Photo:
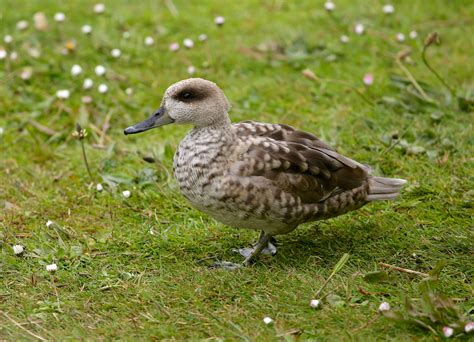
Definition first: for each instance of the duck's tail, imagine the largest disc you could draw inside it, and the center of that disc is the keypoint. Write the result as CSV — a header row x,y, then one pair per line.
x,y
381,188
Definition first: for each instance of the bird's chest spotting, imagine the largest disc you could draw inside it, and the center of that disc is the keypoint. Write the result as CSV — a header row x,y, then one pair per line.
x,y
199,162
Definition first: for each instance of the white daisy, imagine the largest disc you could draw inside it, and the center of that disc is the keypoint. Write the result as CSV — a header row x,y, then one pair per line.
x,y
388,9
126,193
448,331
149,41
329,6
22,25
100,70
202,37
88,83
188,43
219,20
344,39
99,187
18,249
99,8
314,303
59,17
116,53
86,29
384,306
359,28
191,70
52,268
267,320
26,73
8,39
76,70
61,94
103,88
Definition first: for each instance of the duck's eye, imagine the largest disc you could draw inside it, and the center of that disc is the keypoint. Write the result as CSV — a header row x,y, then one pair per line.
x,y
186,95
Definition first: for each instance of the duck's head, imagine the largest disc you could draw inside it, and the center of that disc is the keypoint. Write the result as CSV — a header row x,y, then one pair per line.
x,y
193,101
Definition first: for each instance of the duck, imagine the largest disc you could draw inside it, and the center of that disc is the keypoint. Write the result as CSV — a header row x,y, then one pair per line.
x,y
267,177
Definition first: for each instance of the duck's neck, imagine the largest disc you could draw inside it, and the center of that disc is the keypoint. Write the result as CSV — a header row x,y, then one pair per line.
x,y
220,129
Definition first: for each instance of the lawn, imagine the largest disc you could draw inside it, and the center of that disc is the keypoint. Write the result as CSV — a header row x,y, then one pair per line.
x,y
137,267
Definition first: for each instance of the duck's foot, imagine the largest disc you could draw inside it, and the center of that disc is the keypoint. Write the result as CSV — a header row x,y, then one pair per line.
x,y
247,251
226,265
263,245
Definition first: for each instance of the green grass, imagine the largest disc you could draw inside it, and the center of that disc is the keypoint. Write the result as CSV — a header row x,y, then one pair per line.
x,y
117,280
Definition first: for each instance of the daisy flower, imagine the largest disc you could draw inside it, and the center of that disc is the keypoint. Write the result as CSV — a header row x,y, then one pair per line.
x,y
18,249
149,41
8,39
388,9
100,70
52,268
40,21
116,53
60,94
59,17
22,25
103,88
400,37
26,73
191,70
359,28
174,47
88,83
86,29
329,6
76,70
384,306
267,320
99,8
219,20
188,43
448,331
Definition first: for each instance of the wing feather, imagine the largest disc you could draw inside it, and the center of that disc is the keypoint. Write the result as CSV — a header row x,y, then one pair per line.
x,y
295,161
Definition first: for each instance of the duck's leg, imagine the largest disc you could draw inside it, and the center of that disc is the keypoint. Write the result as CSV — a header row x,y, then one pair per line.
x,y
269,249
263,245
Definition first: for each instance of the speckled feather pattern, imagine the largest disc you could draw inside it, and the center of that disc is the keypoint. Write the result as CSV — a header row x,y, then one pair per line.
x,y
266,177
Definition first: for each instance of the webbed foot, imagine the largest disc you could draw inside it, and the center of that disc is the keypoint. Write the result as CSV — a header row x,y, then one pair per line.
x,y
263,245
226,265
247,251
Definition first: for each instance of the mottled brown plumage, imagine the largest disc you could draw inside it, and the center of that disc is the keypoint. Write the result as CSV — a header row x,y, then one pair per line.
x,y
261,176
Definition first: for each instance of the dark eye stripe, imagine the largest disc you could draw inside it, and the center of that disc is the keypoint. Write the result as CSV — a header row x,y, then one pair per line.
x,y
188,95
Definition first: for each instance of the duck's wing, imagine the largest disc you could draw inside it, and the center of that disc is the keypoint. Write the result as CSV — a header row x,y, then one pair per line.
x,y
279,132
295,161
